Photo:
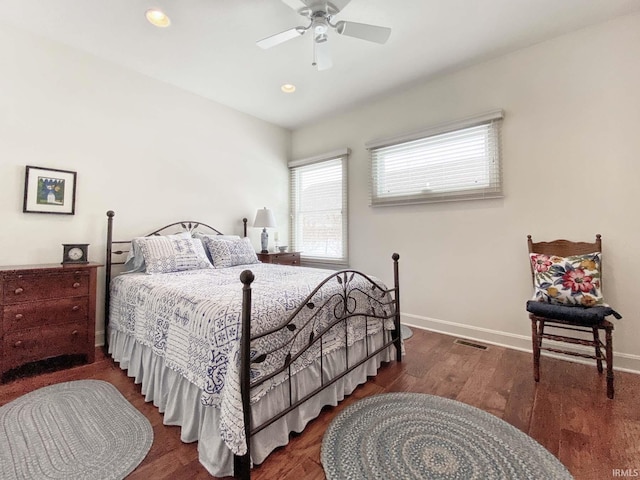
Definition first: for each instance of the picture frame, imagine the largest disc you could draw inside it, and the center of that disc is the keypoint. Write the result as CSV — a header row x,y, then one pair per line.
x,y
49,190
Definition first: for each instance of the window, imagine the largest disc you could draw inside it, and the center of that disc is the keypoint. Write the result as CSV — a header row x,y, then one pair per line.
x,y
318,189
456,161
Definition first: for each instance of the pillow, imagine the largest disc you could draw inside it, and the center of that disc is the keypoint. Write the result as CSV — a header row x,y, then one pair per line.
x,y
135,261
213,236
573,280
202,236
229,253
171,253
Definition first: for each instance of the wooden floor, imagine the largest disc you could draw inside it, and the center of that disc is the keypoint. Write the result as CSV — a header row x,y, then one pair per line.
x,y
567,412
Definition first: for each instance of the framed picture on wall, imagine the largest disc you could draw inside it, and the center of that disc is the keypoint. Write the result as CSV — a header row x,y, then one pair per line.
x,y
49,190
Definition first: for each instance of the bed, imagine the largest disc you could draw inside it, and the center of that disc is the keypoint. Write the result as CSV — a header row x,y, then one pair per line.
x,y
236,352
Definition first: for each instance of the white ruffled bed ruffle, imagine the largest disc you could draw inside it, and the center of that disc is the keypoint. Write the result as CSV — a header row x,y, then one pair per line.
x,y
179,400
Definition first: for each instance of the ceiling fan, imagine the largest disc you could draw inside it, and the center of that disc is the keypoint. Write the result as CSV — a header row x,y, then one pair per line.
x,y
320,15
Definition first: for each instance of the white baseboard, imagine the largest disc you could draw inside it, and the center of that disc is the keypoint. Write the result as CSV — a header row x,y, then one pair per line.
x,y
623,362
100,338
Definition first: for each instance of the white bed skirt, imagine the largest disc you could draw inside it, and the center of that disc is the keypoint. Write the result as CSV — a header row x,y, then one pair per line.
x,y
179,400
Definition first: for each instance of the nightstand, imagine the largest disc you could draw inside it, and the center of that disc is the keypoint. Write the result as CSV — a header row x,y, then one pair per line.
x,y
286,258
46,311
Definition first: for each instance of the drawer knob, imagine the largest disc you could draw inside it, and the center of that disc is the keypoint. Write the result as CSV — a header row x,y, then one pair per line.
x,y
19,316
18,344
76,285
78,272
75,332
75,308
18,291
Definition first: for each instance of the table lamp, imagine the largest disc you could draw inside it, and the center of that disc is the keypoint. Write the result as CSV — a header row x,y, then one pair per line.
x,y
265,219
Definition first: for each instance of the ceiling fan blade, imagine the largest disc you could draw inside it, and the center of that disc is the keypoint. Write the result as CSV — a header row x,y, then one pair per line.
x,y
338,5
323,55
281,37
295,4
364,31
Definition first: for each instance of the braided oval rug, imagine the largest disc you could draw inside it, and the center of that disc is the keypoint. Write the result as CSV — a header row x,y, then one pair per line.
x,y
406,332
74,430
417,436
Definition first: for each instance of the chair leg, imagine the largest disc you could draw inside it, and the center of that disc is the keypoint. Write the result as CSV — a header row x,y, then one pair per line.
x,y
536,349
596,341
609,348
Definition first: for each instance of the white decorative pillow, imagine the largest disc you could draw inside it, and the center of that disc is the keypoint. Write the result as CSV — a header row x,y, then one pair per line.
x,y
229,253
171,253
203,236
573,280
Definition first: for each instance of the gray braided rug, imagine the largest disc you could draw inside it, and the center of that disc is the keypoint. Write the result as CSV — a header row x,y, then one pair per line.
x,y
74,430
406,332
396,436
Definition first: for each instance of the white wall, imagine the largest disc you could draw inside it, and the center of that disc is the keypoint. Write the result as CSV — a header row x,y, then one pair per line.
x,y
151,152
570,149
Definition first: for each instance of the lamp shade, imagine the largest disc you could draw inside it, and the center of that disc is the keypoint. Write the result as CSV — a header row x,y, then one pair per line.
x,y
264,218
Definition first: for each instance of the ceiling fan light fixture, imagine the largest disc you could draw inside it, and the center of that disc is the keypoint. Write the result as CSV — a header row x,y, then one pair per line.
x,y
288,88
157,18
320,28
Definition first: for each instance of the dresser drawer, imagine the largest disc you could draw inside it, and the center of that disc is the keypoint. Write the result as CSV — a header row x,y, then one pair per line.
x,y
45,342
20,316
286,258
28,287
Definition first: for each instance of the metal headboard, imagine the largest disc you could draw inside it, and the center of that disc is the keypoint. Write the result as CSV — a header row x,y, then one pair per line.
x,y
190,226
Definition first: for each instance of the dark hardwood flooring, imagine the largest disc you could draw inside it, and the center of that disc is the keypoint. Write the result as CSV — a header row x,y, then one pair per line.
x,y
568,411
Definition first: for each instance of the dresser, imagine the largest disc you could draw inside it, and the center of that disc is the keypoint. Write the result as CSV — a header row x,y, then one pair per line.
x,y
286,258
46,311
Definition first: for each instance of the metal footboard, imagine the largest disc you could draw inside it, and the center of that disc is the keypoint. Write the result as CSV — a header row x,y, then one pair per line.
x,y
359,299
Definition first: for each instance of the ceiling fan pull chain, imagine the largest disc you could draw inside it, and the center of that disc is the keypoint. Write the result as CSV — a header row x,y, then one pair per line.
x,y
314,63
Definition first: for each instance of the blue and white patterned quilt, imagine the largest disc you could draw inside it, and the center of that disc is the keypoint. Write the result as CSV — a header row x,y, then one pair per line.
x,y
192,320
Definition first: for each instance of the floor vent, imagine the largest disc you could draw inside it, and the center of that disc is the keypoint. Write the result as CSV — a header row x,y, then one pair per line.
x,y
467,343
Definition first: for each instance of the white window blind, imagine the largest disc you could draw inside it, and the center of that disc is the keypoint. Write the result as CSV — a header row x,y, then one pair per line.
x,y
456,161
318,202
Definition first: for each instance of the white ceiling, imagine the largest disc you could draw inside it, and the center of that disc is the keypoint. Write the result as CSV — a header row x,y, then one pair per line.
x,y
210,47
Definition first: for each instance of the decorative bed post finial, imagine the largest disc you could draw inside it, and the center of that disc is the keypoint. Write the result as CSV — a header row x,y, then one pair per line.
x,y
247,277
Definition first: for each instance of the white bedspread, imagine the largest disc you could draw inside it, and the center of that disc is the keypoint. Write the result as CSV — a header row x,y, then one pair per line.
x,y
192,320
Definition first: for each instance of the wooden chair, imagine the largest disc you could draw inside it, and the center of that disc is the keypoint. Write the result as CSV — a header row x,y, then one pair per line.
x,y
569,318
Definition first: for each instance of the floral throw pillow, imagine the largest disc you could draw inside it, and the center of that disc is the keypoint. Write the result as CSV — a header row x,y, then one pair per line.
x,y
573,280
229,253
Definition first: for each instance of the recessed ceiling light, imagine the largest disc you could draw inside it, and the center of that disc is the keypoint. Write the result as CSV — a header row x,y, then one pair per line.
x,y
157,17
288,88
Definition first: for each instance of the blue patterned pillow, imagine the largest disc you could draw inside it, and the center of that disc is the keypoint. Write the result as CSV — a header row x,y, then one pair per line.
x,y
203,236
172,253
229,253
